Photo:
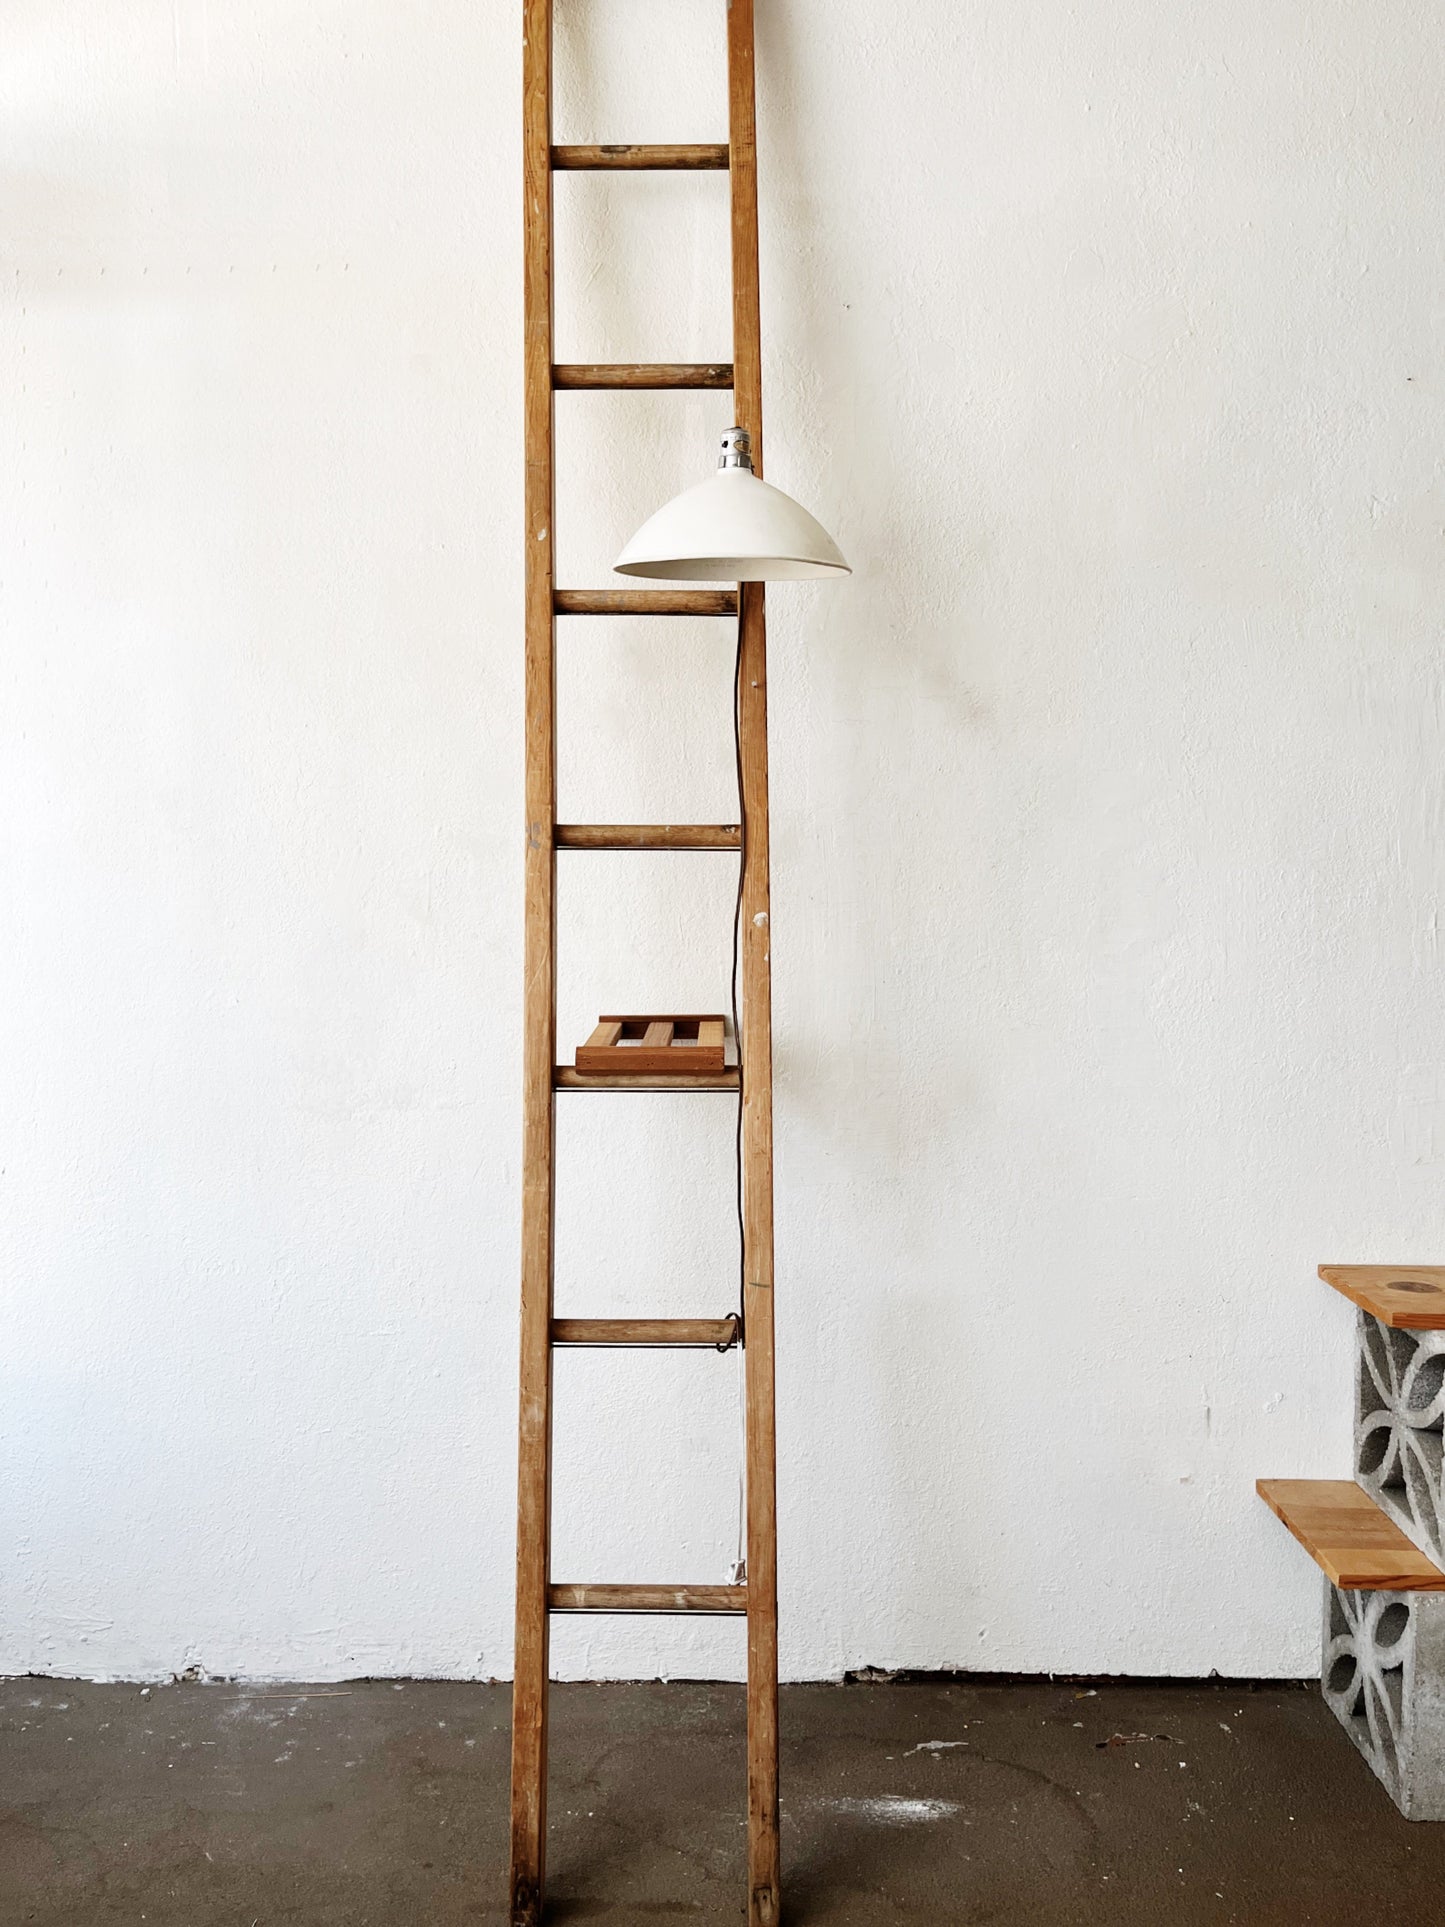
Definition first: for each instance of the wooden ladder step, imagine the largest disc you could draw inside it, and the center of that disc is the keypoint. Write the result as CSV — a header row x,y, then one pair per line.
x,y
629,155
642,374
647,1599
645,602
1409,1297
567,1077
645,1331
647,836
1348,1537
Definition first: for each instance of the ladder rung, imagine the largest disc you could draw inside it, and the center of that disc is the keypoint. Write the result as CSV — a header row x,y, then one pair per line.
x,y
645,1331
647,836
645,602
632,154
642,374
648,1599
567,1078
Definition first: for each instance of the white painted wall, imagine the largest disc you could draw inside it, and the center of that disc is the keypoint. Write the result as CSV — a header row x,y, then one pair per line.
x,y
1108,820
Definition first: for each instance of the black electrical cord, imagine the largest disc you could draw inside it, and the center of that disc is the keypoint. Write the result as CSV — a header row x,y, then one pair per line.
x,y
737,946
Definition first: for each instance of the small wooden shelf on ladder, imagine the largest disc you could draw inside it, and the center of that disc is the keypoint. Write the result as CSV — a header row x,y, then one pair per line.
x,y
537,1595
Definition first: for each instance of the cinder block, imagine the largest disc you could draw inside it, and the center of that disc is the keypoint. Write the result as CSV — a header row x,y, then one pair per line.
x,y
1384,1680
1400,1428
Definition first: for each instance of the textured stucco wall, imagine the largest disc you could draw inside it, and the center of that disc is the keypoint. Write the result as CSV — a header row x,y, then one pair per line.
x,y
1108,807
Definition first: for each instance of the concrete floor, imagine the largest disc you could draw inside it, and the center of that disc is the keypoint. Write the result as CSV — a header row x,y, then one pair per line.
x,y
928,1801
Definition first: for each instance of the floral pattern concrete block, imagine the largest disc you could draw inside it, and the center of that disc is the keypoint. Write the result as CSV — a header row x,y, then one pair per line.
x,y
1384,1680
1400,1428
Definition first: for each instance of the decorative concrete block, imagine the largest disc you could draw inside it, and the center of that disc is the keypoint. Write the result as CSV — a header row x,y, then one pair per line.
x,y
1384,1680
1400,1428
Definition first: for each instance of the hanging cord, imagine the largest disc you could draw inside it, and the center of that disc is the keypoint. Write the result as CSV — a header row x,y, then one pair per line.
x,y
737,950
740,1563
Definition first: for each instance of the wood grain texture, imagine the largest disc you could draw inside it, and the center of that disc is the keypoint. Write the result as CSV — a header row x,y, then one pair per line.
x,y
648,1599
743,209
755,1044
685,1017
654,1046
645,602
1409,1297
647,836
628,155
1352,1542
534,1441
643,374
569,1078
676,1332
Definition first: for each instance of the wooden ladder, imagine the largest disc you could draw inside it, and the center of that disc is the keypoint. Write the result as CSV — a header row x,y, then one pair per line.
x,y
537,1596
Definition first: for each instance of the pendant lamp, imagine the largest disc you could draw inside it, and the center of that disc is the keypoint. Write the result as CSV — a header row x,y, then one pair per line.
x,y
733,528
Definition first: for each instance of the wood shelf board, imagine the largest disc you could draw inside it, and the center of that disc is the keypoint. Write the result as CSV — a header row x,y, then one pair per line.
x,y
568,1078
1352,1542
1409,1297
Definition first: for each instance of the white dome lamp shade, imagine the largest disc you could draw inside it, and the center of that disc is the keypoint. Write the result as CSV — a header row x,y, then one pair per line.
x,y
732,528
